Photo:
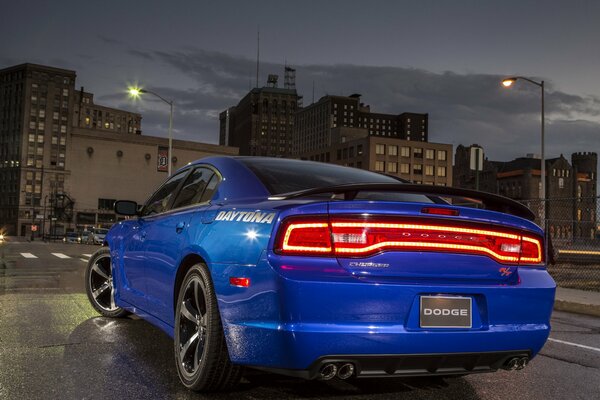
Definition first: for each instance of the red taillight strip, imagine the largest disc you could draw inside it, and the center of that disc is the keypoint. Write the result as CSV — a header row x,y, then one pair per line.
x,y
533,260
428,245
323,238
287,247
423,227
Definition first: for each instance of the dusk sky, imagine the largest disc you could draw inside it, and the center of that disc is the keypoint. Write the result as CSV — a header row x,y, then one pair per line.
x,y
445,58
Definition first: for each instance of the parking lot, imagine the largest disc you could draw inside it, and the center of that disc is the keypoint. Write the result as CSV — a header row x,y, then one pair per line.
x,y
53,345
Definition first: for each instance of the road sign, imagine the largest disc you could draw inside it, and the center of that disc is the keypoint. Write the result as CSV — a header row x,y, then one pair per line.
x,y
33,228
476,158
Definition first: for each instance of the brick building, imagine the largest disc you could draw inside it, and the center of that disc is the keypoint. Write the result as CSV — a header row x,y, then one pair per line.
x,y
571,191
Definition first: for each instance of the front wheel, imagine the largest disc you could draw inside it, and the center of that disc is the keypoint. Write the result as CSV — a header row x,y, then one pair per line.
x,y
201,354
99,284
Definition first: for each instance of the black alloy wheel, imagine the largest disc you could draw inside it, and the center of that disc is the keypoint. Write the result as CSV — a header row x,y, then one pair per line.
x,y
200,348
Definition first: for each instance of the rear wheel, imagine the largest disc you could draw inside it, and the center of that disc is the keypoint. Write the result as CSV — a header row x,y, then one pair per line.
x,y
99,284
201,354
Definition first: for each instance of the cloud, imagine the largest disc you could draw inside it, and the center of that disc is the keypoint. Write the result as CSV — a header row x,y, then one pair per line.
x,y
110,40
463,108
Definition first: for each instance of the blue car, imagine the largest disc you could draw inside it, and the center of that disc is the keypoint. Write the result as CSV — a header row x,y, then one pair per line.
x,y
321,271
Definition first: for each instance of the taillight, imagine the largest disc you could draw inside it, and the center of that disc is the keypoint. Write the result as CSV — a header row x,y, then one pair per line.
x,y
305,236
355,237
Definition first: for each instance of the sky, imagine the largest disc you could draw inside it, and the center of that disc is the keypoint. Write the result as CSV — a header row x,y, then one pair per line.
x,y
444,58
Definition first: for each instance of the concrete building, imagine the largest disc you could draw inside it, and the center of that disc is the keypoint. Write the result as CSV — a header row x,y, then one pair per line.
x,y
314,123
571,191
262,123
44,173
96,159
419,162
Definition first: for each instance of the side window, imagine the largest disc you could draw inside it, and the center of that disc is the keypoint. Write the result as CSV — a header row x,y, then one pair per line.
x,y
195,186
160,200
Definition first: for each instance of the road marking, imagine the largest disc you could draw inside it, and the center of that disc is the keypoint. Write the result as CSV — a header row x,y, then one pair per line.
x,y
86,255
574,344
28,255
60,255
84,260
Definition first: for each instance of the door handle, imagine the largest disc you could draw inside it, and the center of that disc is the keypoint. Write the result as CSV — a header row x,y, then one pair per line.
x,y
179,227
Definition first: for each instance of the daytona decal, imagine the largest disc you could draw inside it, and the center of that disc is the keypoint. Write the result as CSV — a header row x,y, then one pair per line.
x,y
246,216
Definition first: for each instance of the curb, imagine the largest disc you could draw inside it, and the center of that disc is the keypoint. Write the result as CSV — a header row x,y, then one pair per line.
x,y
578,308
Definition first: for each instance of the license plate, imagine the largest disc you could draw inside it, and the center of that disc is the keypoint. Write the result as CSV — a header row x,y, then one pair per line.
x,y
446,312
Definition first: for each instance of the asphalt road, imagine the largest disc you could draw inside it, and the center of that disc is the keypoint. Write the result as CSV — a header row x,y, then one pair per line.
x,y
53,345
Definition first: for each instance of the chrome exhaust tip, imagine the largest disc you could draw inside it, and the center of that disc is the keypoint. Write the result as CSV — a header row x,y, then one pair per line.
x,y
345,371
328,371
516,363
522,362
512,364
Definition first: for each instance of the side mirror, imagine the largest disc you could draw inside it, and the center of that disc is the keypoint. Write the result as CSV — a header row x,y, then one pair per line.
x,y
126,207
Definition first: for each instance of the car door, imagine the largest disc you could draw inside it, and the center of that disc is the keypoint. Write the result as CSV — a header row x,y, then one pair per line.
x,y
134,285
169,235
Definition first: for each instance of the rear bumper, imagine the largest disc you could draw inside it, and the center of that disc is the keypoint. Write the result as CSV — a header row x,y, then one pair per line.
x,y
384,365
293,326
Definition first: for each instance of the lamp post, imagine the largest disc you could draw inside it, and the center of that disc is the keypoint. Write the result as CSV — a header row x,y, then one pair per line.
x,y
136,92
508,82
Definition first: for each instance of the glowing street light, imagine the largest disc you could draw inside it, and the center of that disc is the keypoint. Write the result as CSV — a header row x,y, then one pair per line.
x,y
136,93
508,82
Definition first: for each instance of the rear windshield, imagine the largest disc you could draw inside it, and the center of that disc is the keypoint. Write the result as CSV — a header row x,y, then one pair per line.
x,y
285,175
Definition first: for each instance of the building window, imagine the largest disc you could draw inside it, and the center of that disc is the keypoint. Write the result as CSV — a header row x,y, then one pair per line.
x,y
442,155
359,150
392,150
405,151
429,170
430,154
417,169
441,171
393,167
379,166
404,168
561,183
106,204
418,152
380,149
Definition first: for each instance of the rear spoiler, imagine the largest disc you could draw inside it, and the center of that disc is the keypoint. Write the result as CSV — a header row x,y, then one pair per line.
x,y
350,191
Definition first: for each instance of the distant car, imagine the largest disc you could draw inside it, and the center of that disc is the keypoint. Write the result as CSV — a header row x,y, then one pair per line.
x,y
72,237
96,236
321,271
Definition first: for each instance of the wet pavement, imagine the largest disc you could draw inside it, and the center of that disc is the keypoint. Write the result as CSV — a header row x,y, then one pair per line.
x,y
53,345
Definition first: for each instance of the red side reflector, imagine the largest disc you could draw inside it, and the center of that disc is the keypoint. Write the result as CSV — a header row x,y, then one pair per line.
x,y
240,282
439,211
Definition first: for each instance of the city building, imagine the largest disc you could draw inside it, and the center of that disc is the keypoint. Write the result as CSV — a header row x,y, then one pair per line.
x,y
314,123
56,159
262,123
419,162
571,192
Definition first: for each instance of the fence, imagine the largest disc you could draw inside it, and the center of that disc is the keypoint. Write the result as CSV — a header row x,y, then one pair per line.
x,y
574,235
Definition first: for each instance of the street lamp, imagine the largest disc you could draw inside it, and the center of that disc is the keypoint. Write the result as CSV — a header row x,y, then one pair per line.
x,y
508,82
136,93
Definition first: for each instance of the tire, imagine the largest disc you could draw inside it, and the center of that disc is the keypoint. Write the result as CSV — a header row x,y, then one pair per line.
x,y
200,350
99,284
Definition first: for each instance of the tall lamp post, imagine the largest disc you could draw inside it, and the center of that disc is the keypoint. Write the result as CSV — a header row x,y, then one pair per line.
x,y
136,93
508,82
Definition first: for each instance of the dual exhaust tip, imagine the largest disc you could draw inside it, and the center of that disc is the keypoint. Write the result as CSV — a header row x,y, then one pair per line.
x,y
342,371
516,363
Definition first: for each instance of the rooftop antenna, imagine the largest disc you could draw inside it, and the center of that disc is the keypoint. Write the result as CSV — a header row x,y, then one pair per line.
x,y
313,92
257,52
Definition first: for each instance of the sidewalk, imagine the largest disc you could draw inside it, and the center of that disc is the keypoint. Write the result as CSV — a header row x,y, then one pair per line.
x,y
577,301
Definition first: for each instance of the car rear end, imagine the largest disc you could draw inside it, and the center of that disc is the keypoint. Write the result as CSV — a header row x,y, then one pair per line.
x,y
377,288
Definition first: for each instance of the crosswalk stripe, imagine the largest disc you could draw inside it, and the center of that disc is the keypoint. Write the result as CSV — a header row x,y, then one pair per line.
x,y
84,260
86,255
60,255
28,255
